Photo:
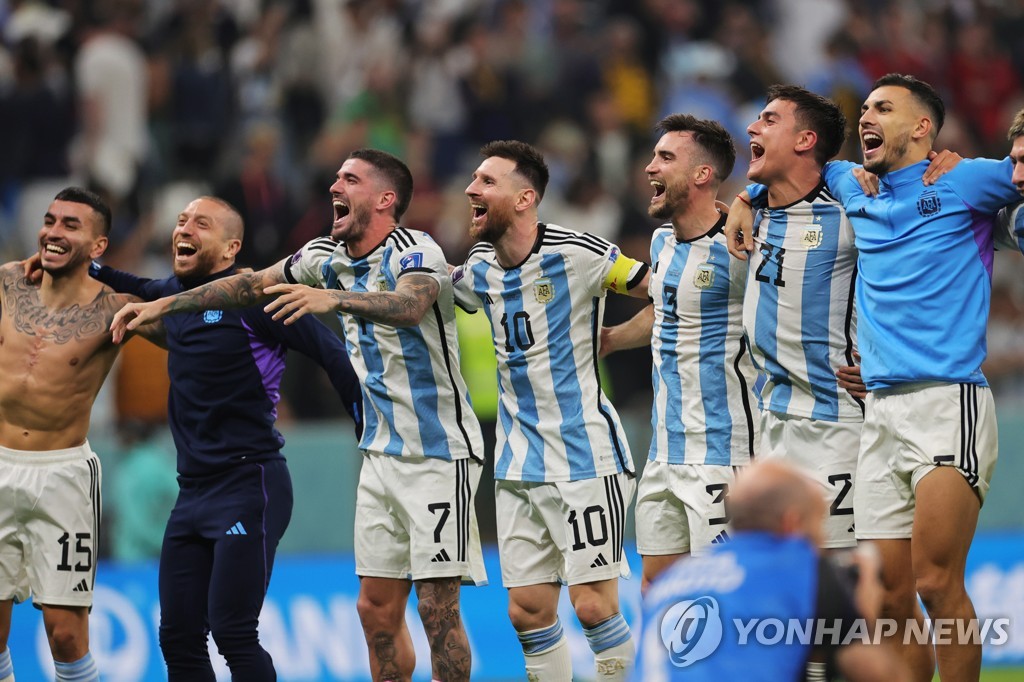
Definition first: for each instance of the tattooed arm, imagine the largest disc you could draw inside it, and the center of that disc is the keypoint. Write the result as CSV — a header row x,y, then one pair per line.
x,y
404,307
154,332
238,291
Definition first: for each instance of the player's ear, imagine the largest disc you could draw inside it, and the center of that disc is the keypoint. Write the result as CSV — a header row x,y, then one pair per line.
x,y
703,174
232,247
806,140
386,200
923,128
526,198
99,245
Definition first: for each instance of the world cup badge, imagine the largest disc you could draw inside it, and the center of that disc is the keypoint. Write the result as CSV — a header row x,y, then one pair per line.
x,y
705,276
544,290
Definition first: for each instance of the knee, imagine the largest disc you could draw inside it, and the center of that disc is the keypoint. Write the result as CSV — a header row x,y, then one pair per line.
x,y
378,613
591,609
937,586
526,616
67,642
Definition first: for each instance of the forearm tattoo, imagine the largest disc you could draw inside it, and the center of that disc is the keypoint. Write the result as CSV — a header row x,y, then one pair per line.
x,y
237,291
449,647
393,308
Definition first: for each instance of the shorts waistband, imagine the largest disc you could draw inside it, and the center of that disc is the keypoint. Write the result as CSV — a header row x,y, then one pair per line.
x,y
916,386
44,457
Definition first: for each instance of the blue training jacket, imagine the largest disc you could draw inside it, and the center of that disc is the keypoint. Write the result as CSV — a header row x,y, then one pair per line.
x,y
225,368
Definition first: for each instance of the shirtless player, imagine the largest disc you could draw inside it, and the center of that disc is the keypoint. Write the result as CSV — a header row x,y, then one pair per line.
x,y
55,352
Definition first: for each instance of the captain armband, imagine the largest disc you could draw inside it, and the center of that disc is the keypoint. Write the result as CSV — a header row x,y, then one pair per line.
x,y
624,274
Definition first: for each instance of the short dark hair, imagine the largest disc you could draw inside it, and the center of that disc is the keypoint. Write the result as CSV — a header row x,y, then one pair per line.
x,y
924,93
80,195
1017,127
816,113
711,136
395,173
528,159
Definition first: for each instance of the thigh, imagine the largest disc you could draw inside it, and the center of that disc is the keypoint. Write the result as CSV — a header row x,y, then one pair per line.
x,y
883,499
381,540
13,577
186,563
62,530
662,526
529,554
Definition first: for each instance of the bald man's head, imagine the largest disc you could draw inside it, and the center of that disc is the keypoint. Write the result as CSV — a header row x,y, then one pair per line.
x,y
229,217
207,238
774,497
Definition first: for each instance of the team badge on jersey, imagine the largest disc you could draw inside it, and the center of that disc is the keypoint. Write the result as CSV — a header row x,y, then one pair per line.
x,y
928,203
544,290
812,237
212,316
705,276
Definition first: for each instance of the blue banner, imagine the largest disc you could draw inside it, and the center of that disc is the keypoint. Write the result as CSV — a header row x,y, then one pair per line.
x,y
310,625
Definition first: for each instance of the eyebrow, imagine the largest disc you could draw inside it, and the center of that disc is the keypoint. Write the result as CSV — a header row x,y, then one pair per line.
x,y
876,103
66,219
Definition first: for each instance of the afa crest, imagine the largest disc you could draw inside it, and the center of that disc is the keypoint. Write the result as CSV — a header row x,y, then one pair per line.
x,y
704,278
544,290
212,316
928,203
812,237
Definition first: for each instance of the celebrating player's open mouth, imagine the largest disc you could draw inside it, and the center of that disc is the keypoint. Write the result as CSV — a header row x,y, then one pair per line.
x,y
341,212
184,251
872,142
479,212
659,191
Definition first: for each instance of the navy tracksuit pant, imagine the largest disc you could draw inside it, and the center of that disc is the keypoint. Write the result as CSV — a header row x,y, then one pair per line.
x,y
215,567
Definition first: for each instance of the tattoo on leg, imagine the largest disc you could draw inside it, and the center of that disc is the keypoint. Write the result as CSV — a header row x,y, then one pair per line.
x,y
386,653
442,621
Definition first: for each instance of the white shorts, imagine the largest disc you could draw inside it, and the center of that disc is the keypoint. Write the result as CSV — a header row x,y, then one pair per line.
x,y
908,432
49,525
567,531
681,507
416,519
827,452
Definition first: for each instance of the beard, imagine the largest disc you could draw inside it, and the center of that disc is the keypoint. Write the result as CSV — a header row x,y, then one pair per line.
x,y
894,151
496,224
675,196
201,266
358,219
75,259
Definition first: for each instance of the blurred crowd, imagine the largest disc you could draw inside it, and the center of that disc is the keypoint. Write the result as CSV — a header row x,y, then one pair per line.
x,y
152,102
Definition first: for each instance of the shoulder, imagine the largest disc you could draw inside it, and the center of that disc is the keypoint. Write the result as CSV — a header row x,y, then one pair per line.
x,y
403,239
481,251
559,238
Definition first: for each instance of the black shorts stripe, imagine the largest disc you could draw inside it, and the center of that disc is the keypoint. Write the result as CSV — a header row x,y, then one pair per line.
x,y
616,514
96,499
460,509
973,478
968,432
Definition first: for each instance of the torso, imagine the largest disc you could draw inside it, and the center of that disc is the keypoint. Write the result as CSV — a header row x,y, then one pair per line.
x,y
52,363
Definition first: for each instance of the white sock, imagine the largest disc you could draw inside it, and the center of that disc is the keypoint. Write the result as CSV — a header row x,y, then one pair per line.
x,y
616,664
551,665
816,672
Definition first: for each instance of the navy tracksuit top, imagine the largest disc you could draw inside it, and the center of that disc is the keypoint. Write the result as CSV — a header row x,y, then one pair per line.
x,y
225,368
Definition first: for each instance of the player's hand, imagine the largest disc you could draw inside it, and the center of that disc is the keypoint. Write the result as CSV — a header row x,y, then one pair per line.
x,y
867,180
941,163
296,300
739,227
850,379
32,268
134,315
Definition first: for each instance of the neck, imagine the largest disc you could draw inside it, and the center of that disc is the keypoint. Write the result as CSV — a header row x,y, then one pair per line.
x,y
516,244
68,289
370,238
696,218
912,156
794,186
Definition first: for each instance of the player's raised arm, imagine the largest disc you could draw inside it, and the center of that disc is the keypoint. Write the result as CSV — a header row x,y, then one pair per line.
x,y
634,333
413,296
237,291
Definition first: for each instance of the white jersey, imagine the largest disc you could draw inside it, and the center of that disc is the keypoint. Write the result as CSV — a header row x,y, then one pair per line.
x,y
702,374
554,421
799,312
1009,228
415,402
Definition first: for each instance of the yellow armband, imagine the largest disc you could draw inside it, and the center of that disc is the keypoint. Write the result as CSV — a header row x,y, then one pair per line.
x,y
624,274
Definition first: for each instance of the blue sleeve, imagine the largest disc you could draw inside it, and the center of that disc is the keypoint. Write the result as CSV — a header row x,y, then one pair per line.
x,y
758,195
315,340
127,283
840,180
983,184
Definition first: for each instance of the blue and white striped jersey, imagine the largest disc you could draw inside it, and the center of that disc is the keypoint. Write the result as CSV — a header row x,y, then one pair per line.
x,y
1009,232
555,423
414,397
799,311
702,373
